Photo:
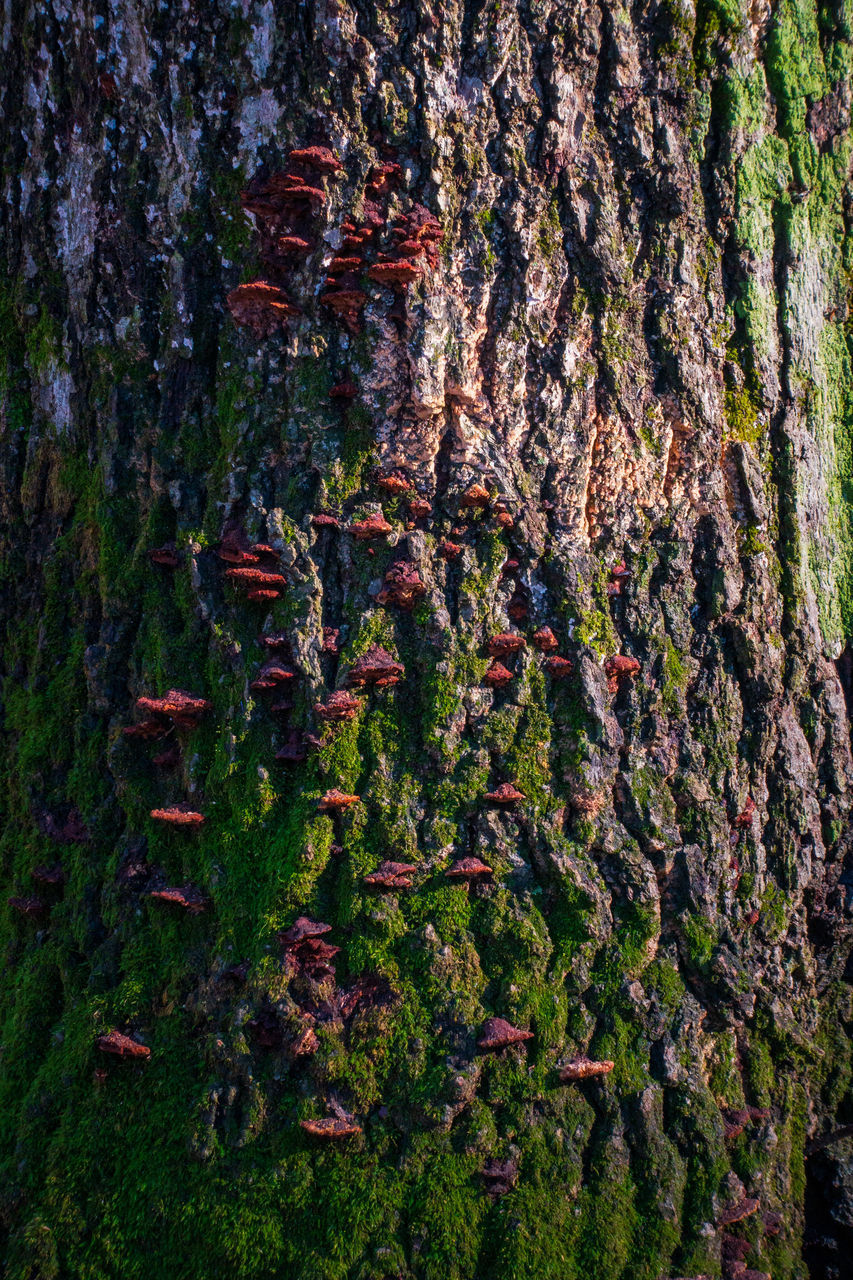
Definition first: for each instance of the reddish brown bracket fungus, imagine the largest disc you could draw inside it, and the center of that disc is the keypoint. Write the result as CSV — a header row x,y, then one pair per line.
x,y
402,586
753,918
293,751
508,568
178,815
166,556
188,897
292,245
275,672
558,668
303,927
343,391
497,676
469,869
265,1030
305,1044
177,705
394,483
334,801
583,1068
374,667
330,640
505,642
506,793
391,875
517,608
54,875
295,190
737,1211
505,520
323,521
340,266
168,759
476,495
341,706
262,593
744,818
231,553
772,1223
28,906
347,305
147,730
618,574
391,273
331,1128
255,578
618,667
449,550
419,508
374,526
734,1122
122,1046
382,177
264,551
544,640
261,307
497,1033
319,158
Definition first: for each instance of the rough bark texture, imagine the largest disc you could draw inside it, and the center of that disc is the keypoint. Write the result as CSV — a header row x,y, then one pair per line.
x,y
634,334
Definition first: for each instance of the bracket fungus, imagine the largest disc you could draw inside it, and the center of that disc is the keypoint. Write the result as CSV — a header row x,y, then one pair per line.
x,y
744,818
255,578
373,526
334,801
292,245
449,550
303,927
178,815
402,271
391,875
394,483
419,508
738,1210
330,640
618,667
476,495
319,158
340,707
261,307
498,1034
147,730
262,593
323,521
505,642
183,709
28,906
343,391
583,1068
166,556
340,266
506,793
403,586
558,668
469,869
188,897
54,875
497,676
544,640
293,751
347,305
122,1046
376,667
332,1127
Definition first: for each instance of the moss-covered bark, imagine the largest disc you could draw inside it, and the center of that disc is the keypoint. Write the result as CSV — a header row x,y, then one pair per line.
x,y
635,334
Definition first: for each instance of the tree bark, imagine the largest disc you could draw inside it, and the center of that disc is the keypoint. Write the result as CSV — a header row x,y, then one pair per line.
x,y
608,394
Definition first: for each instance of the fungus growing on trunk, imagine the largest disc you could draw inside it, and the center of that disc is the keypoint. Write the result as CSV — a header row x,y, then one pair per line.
x,y
618,575
558,668
323,521
449,550
419,508
255,578
382,177
497,676
476,495
391,875
583,1068
497,1034
469,869
261,307
182,708
737,1211
517,608
28,906
373,526
122,1046
334,801
331,1128
188,897
394,483
330,640
391,273
262,593
275,672
341,706
506,793
544,640
303,927
403,586
618,667
293,751
292,245
178,815
734,1122
347,305
339,266
54,875
232,554
147,730
168,759
508,568
166,556
744,818
505,642
319,158
343,391
376,667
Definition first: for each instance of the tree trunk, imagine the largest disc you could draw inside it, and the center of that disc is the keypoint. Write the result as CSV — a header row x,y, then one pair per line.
x,y
572,315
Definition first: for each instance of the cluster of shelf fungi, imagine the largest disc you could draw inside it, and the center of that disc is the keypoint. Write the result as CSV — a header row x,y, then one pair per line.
x,y
393,255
